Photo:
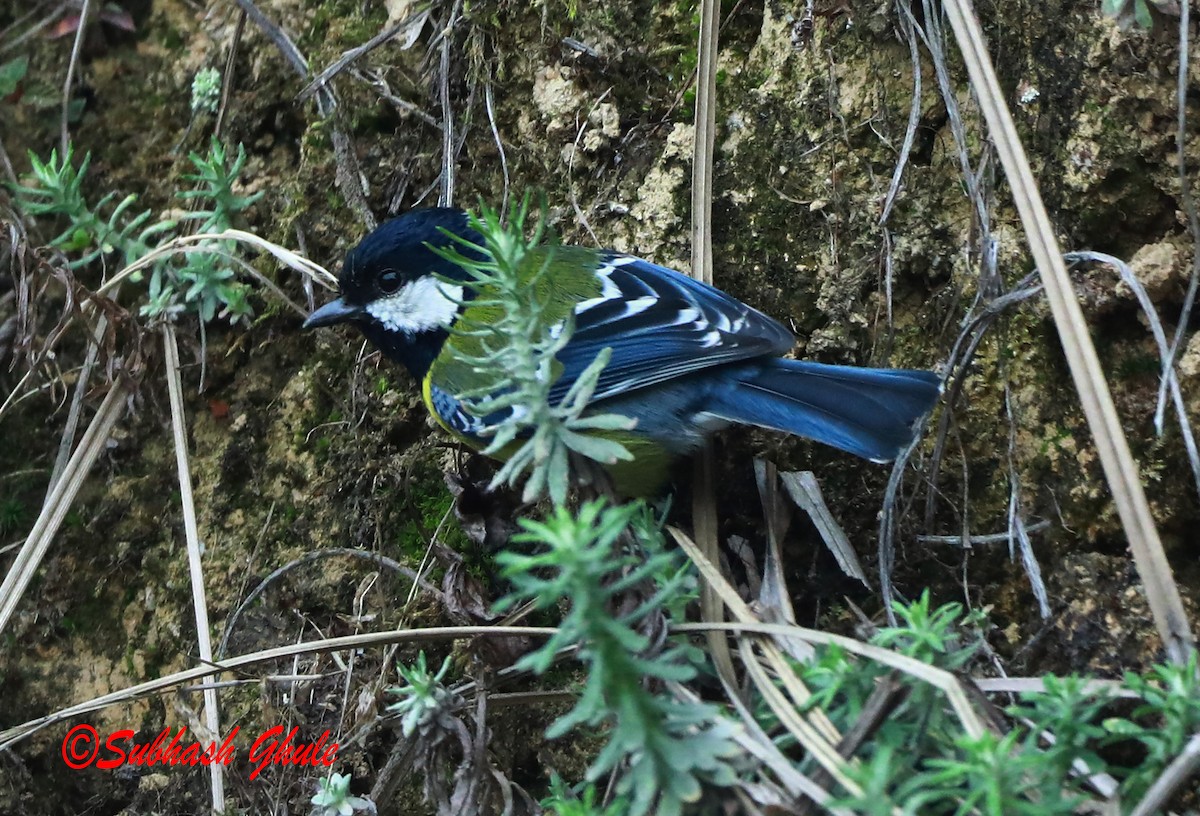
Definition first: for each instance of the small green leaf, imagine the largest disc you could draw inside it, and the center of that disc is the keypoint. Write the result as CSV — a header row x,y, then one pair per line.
x,y
1141,14
80,239
11,74
75,109
605,451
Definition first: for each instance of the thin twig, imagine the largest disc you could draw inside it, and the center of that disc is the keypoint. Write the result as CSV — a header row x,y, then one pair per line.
x,y
490,106
446,187
1189,207
1018,535
935,40
282,41
910,131
380,86
66,442
349,57
887,523
349,177
583,126
374,558
77,49
975,540
888,694
966,344
7,166
1160,339
227,79
184,244
59,10
1176,775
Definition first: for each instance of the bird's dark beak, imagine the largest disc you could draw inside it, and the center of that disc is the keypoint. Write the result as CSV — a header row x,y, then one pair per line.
x,y
334,312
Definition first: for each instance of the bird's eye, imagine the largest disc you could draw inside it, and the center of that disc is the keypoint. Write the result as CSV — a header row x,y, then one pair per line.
x,y
389,281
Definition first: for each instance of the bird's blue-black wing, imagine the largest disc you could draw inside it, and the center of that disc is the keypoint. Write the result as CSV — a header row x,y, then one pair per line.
x,y
660,324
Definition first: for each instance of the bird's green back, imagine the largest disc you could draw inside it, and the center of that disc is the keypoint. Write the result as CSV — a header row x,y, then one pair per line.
x,y
568,278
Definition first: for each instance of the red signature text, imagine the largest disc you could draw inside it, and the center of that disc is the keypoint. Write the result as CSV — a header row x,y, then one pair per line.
x,y
267,750
83,747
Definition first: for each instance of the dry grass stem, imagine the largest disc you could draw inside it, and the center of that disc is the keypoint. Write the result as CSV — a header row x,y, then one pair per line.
x,y
784,709
943,680
711,576
59,499
67,441
759,744
187,243
212,717
805,491
13,735
704,505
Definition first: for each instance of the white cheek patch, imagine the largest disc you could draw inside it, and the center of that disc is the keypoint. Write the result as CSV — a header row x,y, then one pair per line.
x,y
423,305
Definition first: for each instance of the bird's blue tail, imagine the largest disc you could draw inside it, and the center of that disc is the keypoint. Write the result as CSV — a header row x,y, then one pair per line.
x,y
870,412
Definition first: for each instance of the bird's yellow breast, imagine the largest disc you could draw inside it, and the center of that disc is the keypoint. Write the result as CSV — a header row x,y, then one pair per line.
x,y
427,397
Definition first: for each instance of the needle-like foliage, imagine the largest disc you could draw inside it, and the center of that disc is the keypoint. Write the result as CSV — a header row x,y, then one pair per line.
x,y
668,748
203,282
516,364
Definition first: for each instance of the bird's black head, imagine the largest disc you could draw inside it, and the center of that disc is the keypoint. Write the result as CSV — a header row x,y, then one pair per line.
x,y
392,287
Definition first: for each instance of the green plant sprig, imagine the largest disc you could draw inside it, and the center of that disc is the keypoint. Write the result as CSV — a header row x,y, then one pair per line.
x,y
203,282
671,747
60,192
517,366
1165,720
422,697
920,760
333,797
